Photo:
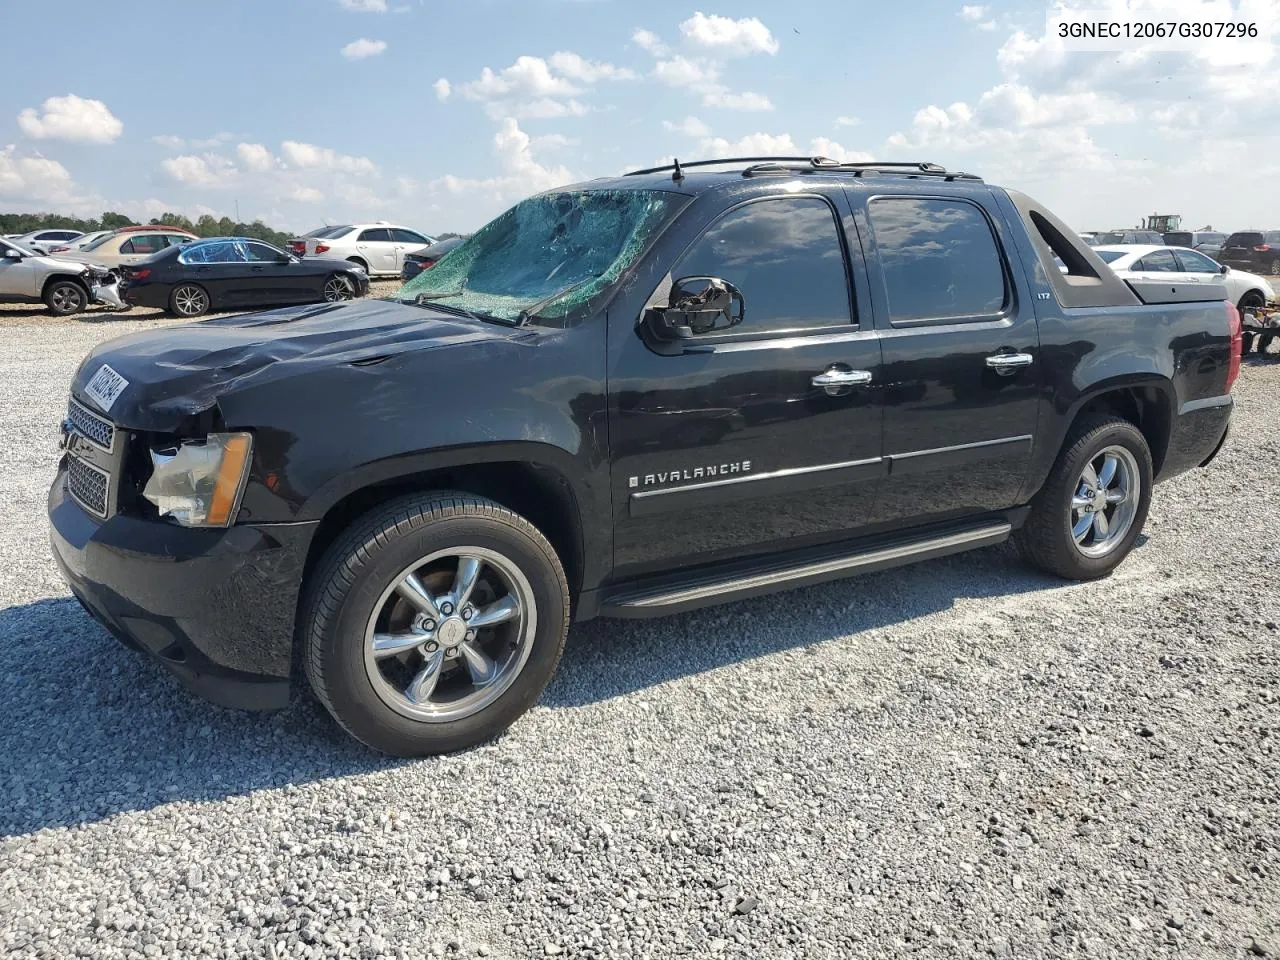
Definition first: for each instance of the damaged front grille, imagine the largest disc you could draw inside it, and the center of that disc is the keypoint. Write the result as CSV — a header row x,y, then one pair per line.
x,y
89,486
90,425
95,457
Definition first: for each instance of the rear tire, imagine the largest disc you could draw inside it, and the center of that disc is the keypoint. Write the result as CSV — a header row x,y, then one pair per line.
x,y
442,685
189,300
361,264
65,297
1068,503
1252,301
338,287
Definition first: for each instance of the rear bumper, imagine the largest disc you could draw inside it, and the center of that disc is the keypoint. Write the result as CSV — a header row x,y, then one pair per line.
x,y
1199,432
145,294
215,607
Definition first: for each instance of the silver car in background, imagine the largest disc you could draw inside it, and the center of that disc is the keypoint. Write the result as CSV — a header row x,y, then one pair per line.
x,y
378,247
64,286
44,240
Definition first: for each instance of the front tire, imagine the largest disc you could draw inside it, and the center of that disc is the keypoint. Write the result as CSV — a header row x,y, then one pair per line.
x,y
1086,517
189,300
434,624
65,297
1252,301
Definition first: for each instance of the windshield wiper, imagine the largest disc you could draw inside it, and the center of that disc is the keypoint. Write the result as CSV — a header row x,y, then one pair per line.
x,y
531,312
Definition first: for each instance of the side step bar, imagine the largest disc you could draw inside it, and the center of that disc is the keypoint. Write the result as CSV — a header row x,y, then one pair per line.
x,y
768,580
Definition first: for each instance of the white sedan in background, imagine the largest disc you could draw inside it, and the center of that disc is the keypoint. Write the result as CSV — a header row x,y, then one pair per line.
x,y
1247,291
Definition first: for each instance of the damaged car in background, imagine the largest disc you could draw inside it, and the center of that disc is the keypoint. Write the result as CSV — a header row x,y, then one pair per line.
x,y
64,286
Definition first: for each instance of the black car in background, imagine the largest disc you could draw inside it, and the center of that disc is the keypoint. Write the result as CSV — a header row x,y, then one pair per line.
x,y
1257,251
227,272
426,258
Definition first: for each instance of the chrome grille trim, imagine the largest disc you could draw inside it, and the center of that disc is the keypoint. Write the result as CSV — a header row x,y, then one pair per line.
x,y
97,430
88,486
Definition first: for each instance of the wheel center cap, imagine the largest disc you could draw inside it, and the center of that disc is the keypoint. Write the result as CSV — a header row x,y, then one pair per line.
x,y
1100,500
452,631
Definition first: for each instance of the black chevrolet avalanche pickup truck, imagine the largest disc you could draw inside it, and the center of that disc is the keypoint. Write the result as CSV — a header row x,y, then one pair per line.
x,y
624,398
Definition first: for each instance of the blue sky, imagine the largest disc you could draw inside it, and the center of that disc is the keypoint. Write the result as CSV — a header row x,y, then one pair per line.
x,y
439,115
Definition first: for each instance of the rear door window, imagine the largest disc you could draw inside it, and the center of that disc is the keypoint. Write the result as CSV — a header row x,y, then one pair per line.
x,y
375,235
939,259
1192,262
144,243
1158,261
222,251
261,253
408,236
784,255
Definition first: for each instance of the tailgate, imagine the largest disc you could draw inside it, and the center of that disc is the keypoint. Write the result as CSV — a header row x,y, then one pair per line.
x,y
1163,291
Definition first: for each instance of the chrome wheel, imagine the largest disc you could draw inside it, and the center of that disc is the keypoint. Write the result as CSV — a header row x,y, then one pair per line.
x,y
66,298
450,634
190,301
338,288
1105,502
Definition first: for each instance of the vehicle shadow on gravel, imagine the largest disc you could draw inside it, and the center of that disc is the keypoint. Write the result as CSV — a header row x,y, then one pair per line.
x,y
610,658
89,730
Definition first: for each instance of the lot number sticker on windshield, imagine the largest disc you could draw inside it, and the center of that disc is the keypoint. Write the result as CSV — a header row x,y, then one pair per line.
x,y
105,387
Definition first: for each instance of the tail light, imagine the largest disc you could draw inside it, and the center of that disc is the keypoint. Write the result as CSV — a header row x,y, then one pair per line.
x,y
322,248
426,264
59,249
1262,248
1236,328
298,246
137,273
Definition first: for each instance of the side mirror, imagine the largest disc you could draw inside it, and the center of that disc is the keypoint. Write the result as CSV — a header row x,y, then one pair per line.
x,y
283,258
11,254
1224,269
699,306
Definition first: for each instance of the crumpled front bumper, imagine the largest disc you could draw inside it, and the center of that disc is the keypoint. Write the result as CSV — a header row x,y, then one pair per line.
x,y
215,607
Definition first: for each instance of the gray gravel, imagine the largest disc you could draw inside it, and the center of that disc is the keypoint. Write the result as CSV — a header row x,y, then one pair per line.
x,y
957,759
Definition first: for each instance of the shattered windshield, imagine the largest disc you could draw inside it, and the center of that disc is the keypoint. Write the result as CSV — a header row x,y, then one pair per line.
x,y
547,255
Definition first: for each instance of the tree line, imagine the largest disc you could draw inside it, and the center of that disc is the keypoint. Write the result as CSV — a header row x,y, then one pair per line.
x,y
206,226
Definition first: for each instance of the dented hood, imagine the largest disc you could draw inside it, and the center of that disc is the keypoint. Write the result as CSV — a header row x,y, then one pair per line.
x,y
176,372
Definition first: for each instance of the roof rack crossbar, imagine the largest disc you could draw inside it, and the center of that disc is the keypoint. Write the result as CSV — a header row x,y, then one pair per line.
x,y
758,165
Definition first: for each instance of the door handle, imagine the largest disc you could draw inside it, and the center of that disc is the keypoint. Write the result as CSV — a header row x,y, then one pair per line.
x,y
1009,363
835,380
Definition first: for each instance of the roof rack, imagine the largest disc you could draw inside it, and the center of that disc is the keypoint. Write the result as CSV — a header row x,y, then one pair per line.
x,y
769,165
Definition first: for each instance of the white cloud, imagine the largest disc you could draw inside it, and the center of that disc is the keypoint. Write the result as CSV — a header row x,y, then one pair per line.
x,y
648,40
443,89
189,170
522,174
729,37
33,178
689,127
255,157
683,72
847,121
822,147
171,142
973,12
363,48
309,156
527,77
71,118
306,195
365,6
746,100
587,71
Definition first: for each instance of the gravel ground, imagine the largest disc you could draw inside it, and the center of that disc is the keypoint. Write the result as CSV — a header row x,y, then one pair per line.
x,y
956,759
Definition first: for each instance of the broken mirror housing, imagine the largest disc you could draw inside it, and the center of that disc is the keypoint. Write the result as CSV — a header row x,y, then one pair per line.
x,y
199,482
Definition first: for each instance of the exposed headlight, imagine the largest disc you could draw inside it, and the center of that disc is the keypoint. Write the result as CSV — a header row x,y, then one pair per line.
x,y
199,482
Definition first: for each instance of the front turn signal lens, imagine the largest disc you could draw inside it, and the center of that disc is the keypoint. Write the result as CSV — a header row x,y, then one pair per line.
x,y
200,482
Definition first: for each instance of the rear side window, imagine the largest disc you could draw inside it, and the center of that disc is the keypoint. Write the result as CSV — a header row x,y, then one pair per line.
x,y
785,257
144,243
377,235
1244,239
939,259
1191,262
221,251
1109,256
1158,261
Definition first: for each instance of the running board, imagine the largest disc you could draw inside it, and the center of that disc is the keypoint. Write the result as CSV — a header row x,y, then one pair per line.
x,y
749,584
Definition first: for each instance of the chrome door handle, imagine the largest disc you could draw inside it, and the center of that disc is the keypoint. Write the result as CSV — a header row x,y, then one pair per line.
x,y
1007,363
834,379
